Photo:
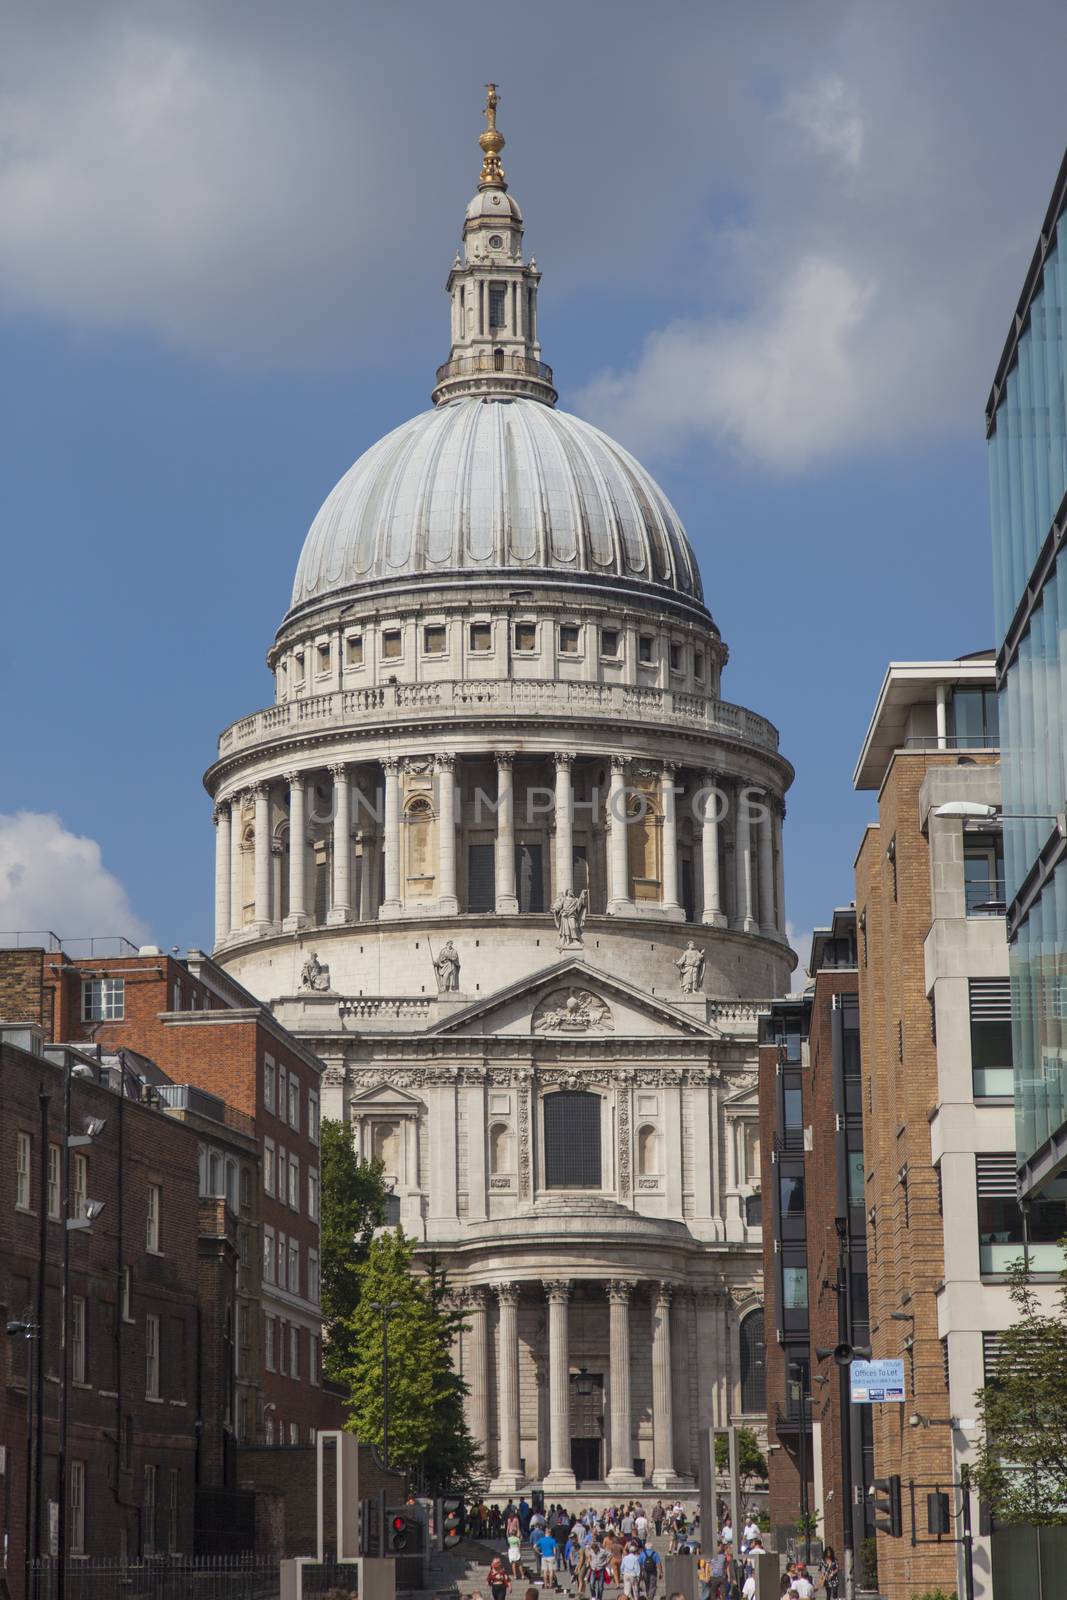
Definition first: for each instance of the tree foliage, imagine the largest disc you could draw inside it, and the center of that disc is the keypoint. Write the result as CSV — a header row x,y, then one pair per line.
x,y
352,1202
751,1462
428,1436
1021,1465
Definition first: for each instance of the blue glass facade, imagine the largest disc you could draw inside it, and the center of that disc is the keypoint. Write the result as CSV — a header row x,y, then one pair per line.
x,y
1027,422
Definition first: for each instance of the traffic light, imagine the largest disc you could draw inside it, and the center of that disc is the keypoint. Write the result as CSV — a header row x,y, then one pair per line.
x,y
937,1512
885,1497
399,1529
453,1523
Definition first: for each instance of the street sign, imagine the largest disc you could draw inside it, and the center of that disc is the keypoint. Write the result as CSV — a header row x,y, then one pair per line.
x,y
873,1381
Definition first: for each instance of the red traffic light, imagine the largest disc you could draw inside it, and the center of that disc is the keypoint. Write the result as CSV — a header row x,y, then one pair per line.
x,y
399,1524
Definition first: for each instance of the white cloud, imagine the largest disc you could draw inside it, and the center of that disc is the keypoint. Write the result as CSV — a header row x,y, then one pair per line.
x,y
826,113
55,880
801,945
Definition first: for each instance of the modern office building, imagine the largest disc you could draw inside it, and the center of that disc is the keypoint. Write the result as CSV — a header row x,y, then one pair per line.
x,y
943,1219
1026,423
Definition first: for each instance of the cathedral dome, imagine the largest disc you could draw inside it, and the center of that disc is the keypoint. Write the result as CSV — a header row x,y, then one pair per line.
x,y
494,484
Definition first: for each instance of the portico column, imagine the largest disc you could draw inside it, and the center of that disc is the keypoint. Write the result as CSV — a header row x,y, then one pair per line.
x,y
713,914
390,906
509,1472
663,1473
236,864
298,852
506,899
261,795
446,835
743,861
221,817
341,906
779,867
564,823
670,840
479,1369
766,871
559,1476
618,844
621,1469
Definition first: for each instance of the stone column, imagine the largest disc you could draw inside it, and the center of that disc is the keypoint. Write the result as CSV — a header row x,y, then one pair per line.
x,y
261,797
506,899
779,867
564,823
620,1471
236,873
478,1377
390,906
509,1473
341,896
298,852
446,835
663,1473
713,914
743,862
619,903
765,847
670,842
221,817
559,1477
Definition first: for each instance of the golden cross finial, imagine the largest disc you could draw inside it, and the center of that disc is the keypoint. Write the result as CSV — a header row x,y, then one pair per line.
x,y
492,142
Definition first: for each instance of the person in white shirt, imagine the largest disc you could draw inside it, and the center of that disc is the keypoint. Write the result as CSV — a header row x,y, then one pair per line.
x,y
726,1532
804,1587
641,1527
749,1532
630,1572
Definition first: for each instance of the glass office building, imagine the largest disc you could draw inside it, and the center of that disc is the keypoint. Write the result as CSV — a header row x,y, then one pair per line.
x,y
1026,423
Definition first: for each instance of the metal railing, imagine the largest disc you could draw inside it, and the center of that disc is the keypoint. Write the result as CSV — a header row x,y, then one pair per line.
x,y
984,897
109,944
160,1578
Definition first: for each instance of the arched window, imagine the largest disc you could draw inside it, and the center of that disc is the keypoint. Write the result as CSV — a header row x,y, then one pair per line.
x,y
644,838
201,1168
248,875
419,847
647,1150
499,1148
572,1140
231,1184
214,1173
281,851
753,1365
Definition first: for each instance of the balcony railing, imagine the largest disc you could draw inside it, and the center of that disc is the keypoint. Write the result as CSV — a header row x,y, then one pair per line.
x,y
984,897
489,361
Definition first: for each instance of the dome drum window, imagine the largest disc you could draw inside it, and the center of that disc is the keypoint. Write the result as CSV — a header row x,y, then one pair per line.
x,y
526,636
392,644
646,650
434,639
354,650
609,643
481,636
569,637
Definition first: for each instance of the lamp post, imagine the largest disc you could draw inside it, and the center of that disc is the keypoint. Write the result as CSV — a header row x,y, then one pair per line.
x,y
385,1308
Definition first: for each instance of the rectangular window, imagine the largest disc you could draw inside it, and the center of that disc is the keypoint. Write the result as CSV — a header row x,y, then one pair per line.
x,y
294,1182
294,1267
152,1219
294,1352
268,1255
281,1180
76,1507
148,1510
313,1358
268,1082
313,1276
283,1091
609,642
676,657
268,1343
282,1258
791,1190
322,658
298,666
294,1103
313,1193
282,1348
481,635
268,1166
795,1288
498,305
354,650
174,1510
294,1433
79,1184
103,999
127,1292
568,639
991,1057
855,1178
698,665
526,635
392,644
434,639
646,649
313,1116
975,719
53,1182
23,1166
983,875
77,1338
151,1356
572,1128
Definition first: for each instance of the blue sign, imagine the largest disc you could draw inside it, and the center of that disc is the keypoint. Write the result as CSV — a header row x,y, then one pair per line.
x,y
876,1381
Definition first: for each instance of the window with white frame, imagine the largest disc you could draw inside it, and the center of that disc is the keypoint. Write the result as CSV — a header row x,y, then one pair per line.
x,y
294,1267
283,1090
174,1510
151,1356
103,999
268,1166
23,1164
313,1116
283,1353
313,1276
268,1082
77,1338
148,1509
76,1508
294,1102
268,1255
176,997
53,1182
282,1257
313,1193
127,1288
294,1433
294,1182
231,1184
282,1180
79,1184
268,1343
313,1358
294,1351
152,1219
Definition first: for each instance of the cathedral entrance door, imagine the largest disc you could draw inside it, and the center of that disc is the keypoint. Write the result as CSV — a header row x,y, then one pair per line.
x,y
587,1422
585,1460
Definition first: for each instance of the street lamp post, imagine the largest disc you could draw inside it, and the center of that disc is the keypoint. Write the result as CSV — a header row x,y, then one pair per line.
x,y
385,1308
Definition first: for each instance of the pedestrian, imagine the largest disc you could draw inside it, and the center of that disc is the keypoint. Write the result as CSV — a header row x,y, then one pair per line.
x,y
658,1514
830,1573
498,1580
641,1526
652,1570
630,1568
515,1549
718,1573
548,1550
599,1561
803,1585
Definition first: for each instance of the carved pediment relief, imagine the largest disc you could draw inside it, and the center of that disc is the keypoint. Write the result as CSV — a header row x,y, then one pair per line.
x,y
572,1011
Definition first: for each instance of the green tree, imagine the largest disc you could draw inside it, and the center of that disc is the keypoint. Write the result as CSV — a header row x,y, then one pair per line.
x,y
1021,1466
428,1437
751,1462
352,1202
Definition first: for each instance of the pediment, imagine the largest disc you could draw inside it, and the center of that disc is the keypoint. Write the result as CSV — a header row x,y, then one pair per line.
x,y
572,999
743,1098
385,1095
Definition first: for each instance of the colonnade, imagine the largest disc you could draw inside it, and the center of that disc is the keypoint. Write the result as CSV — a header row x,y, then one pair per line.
x,y
559,1476
756,896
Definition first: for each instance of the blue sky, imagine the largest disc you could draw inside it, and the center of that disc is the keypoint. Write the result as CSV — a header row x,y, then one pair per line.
x,y
781,246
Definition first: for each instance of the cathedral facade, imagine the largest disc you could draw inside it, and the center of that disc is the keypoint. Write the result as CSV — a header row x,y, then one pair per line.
x,y
503,856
